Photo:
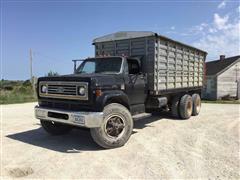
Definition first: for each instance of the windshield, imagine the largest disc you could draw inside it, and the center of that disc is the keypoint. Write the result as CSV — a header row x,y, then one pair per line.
x,y
100,65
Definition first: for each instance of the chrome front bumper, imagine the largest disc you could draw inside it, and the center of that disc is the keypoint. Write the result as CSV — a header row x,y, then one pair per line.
x,y
82,119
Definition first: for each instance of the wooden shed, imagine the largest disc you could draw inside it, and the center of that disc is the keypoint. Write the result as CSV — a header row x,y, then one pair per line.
x,y
222,78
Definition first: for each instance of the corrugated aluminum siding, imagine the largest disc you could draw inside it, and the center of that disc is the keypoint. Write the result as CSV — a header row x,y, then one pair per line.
x,y
168,64
177,65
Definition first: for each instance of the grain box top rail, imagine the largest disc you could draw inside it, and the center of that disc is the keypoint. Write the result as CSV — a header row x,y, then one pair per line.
x,y
121,35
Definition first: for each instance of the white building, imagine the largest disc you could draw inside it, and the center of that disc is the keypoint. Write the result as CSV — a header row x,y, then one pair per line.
x,y
222,78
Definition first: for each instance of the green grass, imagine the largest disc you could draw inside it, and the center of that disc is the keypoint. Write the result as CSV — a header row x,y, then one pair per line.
x,y
16,92
222,101
12,98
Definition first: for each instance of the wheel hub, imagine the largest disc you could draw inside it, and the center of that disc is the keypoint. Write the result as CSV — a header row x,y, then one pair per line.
x,y
114,126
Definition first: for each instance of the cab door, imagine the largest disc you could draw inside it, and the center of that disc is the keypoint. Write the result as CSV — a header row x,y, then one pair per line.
x,y
135,82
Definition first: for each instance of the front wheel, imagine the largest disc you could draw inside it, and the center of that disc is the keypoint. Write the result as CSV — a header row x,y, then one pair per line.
x,y
116,127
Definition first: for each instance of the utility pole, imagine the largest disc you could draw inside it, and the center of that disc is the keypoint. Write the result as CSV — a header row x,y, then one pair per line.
x,y
30,58
31,71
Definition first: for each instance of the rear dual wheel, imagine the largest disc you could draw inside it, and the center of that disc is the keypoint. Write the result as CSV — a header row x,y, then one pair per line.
x,y
196,104
185,106
175,107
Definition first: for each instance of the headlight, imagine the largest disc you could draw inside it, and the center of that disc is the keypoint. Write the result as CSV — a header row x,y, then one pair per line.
x,y
44,89
81,91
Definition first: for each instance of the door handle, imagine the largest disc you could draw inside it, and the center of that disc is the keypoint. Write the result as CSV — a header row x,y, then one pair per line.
x,y
142,77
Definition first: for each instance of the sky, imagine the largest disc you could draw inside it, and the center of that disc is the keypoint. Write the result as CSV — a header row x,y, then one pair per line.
x,y
59,31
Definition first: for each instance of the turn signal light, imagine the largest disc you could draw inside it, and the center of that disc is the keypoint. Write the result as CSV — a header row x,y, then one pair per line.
x,y
98,92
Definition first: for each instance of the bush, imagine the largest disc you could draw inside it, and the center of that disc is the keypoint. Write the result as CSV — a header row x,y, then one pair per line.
x,y
8,87
27,83
16,92
23,90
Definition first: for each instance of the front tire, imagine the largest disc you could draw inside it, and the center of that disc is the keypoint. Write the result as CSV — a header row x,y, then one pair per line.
x,y
54,128
116,128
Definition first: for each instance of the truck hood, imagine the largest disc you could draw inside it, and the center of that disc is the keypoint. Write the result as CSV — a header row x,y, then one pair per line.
x,y
103,81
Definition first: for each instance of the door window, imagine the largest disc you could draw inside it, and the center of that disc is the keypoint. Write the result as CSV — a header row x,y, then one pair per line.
x,y
133,66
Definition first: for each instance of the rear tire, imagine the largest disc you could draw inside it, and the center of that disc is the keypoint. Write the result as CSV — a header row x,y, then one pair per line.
x,y
175,107
185,106
54,128
196,99
116,128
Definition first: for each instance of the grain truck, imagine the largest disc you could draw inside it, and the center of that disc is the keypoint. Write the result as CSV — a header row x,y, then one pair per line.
x,y
131,73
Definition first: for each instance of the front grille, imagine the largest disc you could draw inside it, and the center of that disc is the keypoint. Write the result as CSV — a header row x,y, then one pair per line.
x,y
63,90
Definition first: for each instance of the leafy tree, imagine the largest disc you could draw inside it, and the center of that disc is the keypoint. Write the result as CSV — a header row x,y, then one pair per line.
x,y
51,73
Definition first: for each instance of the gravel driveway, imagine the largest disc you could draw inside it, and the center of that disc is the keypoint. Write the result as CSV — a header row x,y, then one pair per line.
x,y
206,146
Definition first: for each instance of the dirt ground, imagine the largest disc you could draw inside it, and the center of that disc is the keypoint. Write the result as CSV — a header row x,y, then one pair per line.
x,y
206,146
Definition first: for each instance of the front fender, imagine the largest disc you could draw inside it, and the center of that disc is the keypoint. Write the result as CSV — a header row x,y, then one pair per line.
x,y
115,96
